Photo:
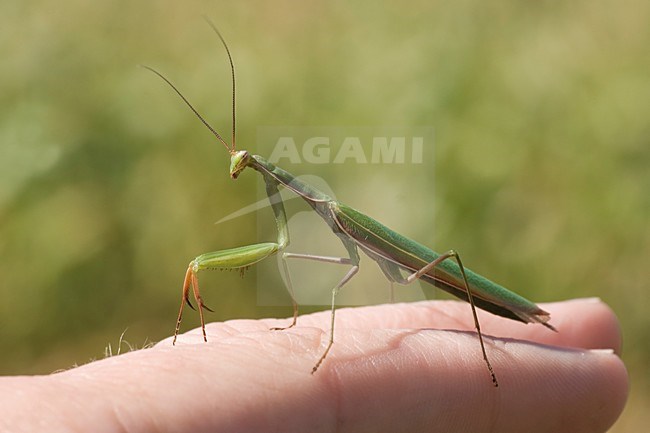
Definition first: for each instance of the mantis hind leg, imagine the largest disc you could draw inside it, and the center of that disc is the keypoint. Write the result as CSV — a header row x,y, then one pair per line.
x,y
451,254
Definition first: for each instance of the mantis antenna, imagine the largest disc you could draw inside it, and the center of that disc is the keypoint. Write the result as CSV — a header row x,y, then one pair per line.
x,y
231,148
232,73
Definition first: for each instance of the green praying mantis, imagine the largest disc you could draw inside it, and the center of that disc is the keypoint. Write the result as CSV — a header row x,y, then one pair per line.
x,y
402,260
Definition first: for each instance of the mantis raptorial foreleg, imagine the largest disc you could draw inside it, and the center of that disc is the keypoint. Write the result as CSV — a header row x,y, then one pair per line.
x,y
234,258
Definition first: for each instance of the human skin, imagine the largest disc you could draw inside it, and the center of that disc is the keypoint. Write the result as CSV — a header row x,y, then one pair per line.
x,y
413,367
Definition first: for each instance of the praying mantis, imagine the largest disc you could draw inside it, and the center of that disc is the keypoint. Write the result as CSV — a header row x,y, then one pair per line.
x,y
402,260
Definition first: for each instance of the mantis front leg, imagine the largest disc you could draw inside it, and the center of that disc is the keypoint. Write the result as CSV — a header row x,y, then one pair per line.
x,y
234,258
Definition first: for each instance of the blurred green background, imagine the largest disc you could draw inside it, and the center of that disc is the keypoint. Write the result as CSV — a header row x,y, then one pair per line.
x,y
108,187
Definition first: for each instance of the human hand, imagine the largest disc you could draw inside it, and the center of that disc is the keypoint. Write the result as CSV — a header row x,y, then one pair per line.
x,y
413,367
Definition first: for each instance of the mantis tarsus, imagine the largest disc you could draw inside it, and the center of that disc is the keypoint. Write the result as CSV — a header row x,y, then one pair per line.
x,y
395,254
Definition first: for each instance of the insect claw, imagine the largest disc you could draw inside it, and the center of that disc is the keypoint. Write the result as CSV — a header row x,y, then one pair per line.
x,y
206,307
190,304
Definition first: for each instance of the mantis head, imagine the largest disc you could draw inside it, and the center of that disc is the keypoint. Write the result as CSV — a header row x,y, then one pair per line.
x,y
238,162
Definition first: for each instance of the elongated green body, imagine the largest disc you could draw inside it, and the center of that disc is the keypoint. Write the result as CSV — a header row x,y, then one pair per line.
x,y
377,239
394,252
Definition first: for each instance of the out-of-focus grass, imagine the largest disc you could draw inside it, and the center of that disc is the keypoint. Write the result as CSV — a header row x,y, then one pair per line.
x,y
108,186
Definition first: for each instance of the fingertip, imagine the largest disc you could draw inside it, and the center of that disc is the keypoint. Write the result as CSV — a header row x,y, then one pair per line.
x,y
587,323
579,390
616,387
